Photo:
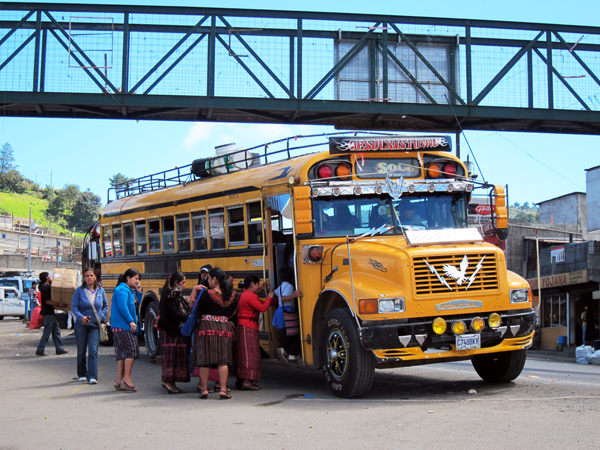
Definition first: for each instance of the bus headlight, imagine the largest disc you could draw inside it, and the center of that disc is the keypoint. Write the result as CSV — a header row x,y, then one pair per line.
x,y
519,295
439,326
495,320
391,305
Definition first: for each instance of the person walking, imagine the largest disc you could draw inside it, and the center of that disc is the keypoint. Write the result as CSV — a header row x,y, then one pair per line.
x,y
123,325
213,338
88,305
247,340
50,323
584,322
174,311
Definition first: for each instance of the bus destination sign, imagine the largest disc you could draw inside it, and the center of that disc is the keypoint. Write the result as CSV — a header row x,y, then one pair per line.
x,y
371,144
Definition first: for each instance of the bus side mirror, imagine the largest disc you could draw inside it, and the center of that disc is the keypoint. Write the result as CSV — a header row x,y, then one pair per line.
x,y
303,210
500,217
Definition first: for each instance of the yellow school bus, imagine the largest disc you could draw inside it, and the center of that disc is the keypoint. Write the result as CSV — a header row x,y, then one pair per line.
x,y
375,228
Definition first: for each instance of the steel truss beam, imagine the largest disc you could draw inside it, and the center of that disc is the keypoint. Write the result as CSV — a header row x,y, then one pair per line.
x,y
290,92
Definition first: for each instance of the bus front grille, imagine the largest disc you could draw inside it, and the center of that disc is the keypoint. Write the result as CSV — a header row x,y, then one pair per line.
x,y
455,273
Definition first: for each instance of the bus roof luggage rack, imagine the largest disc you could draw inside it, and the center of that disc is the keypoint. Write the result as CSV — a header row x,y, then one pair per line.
x,y
228,159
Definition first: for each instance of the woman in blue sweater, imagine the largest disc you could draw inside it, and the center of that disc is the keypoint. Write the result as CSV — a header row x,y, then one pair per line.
x,y
87,298
123,325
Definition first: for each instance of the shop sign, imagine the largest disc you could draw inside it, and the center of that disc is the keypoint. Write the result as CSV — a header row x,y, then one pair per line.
x,y
563,279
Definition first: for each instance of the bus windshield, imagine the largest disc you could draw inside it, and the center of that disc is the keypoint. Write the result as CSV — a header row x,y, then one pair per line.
x,y
351,216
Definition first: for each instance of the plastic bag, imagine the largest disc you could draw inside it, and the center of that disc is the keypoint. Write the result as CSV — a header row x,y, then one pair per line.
x,y
37,320
583,353
595,358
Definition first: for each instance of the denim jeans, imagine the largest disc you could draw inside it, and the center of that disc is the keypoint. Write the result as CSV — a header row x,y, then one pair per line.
x,y
87,337
50,326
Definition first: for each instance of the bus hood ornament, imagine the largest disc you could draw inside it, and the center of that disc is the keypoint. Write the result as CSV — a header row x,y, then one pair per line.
x,y
394,188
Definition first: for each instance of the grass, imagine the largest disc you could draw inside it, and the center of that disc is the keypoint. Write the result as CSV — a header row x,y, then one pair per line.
x,y
18,205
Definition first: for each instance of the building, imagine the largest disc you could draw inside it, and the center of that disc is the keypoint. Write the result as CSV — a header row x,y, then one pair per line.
x,y
565,245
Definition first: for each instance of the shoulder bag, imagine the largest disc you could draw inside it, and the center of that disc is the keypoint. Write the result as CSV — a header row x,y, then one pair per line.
x,y
101,325
190,324
278,321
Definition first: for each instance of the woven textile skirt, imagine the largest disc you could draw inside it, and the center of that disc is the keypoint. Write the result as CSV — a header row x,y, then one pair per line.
x,y
248,353
213,344
126,344
176,358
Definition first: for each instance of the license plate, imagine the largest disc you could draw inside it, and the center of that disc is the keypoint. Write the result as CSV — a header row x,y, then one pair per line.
x,y
468,341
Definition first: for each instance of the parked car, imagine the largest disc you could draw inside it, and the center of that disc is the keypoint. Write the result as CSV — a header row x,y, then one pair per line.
x,y
11,303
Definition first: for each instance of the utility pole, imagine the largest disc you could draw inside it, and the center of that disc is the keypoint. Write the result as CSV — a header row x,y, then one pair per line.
x,y
57,245
29,249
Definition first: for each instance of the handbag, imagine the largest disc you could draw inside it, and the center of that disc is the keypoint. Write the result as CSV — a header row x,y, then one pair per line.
x,y
190,324
101,325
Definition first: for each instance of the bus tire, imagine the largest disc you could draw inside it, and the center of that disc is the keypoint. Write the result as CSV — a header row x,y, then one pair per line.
x,y
500,367
349,368
151,335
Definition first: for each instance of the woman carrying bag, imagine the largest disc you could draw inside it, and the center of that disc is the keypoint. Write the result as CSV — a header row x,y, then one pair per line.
x,y
174,311
90,308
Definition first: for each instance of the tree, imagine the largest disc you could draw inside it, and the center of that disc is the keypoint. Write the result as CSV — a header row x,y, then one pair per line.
x,y
85,211
6,160
118,179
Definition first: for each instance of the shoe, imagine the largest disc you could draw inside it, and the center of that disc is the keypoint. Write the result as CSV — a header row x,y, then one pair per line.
x,y
93,381
41,354
125,387
62,352
217,387
281,356
172,391
81,379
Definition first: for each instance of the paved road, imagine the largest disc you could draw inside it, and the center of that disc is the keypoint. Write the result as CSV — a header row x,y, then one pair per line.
x,y
552,405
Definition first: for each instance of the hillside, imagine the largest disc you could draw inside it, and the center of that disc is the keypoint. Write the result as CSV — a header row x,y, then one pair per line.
x,y
18,205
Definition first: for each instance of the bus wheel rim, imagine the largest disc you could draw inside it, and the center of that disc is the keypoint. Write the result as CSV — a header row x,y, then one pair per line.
x,y
337,354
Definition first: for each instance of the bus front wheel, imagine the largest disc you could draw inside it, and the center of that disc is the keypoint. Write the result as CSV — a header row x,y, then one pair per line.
x,y
500,367
349,368
151,335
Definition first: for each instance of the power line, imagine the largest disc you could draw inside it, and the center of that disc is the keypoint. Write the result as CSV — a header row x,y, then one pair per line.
x,y
545,165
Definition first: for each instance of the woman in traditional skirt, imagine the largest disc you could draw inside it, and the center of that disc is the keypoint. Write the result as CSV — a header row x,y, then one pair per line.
x,y
213,340
174,311
247,341
123,325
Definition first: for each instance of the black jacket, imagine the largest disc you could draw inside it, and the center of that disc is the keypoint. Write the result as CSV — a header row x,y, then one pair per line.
x,y
170,313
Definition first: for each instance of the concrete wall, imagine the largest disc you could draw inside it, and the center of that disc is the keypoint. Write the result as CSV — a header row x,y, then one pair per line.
x,y
11,240
592,183
18,262
569,209
518,232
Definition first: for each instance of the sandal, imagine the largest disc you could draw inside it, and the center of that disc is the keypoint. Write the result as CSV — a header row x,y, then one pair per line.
x,y
128,388
172,391
204,394
224,395
252,387
217,387
118,386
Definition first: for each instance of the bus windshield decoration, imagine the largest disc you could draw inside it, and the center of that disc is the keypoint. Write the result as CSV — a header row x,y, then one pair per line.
x,y
389,238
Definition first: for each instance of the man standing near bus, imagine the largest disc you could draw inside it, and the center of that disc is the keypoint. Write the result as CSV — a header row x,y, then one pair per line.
x,y
50,322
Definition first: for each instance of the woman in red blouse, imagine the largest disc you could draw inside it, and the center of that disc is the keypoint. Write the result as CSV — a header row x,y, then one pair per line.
x,y
248,345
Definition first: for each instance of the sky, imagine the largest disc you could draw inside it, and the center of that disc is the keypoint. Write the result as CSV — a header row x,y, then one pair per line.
x,y
87,153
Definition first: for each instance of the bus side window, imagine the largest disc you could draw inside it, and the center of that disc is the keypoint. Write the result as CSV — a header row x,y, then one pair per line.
x,y
128,239
235,225
199,230
140,238
154,235
106,242
183,233
168,234
216,222
116,232
254,224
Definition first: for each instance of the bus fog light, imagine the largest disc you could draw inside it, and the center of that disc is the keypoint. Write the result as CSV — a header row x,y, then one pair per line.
x,y
439,326
477,324
495,320
459,327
